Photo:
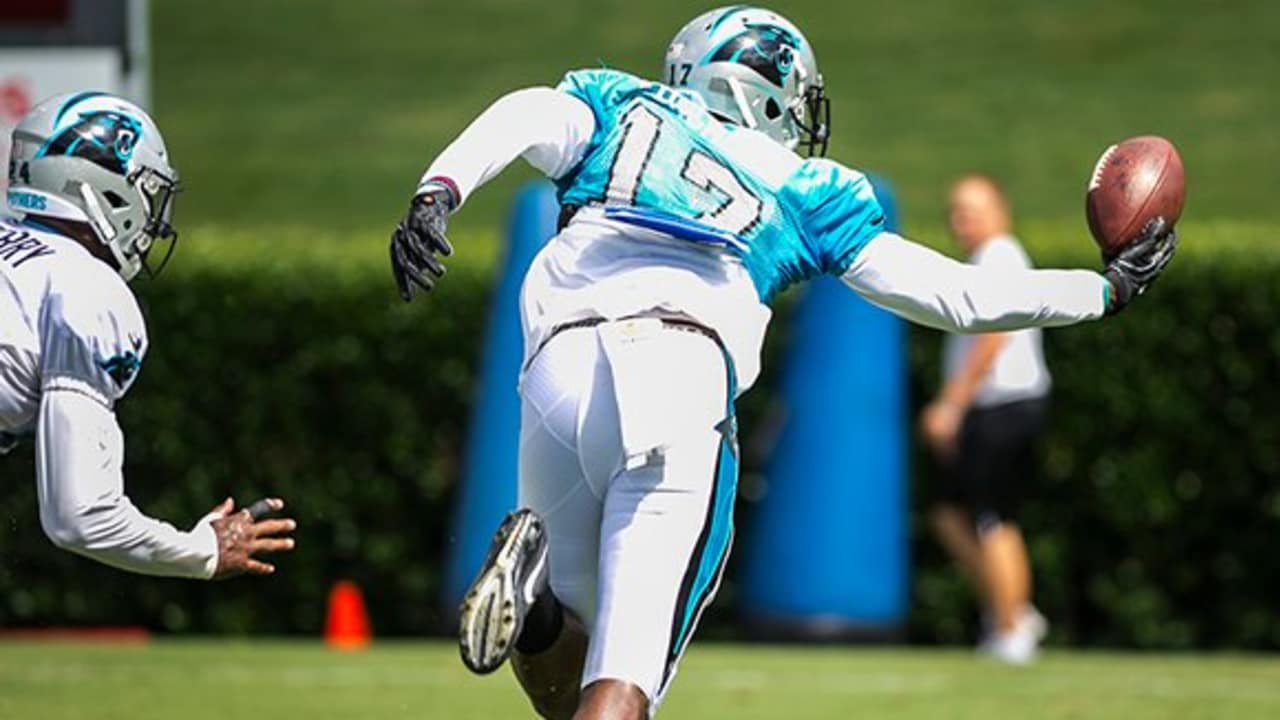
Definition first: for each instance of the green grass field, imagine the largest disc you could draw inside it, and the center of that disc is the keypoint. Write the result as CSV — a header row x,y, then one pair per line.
x,y
311,119
214,681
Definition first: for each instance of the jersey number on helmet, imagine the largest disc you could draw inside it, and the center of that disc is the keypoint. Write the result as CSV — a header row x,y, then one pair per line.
x,y
680,74
737,213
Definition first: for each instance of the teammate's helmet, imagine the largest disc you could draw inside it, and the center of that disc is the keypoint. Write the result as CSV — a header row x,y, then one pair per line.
x,y
753,67
95,158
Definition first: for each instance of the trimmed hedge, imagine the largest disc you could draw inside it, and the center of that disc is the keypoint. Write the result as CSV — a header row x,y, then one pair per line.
x,y
1153,525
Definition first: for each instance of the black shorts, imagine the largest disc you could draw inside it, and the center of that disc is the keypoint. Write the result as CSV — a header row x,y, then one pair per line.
x,y
996,459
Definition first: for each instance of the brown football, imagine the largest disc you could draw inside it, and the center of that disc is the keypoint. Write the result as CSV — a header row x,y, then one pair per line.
x,y
1134,181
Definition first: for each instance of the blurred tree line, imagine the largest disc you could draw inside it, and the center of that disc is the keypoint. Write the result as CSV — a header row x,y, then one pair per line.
x,y
1156,522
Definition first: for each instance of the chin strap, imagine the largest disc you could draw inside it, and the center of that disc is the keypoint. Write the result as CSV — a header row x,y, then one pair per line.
x,y
96,217
740,99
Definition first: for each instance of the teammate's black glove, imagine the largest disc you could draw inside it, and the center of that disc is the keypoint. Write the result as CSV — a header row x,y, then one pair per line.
x,y
417,241
1132,270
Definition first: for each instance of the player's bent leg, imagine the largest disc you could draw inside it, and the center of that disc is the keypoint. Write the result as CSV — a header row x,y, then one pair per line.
x,y
554,391
550,676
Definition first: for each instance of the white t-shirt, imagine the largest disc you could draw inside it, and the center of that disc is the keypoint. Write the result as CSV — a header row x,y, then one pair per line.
x,y
1019,372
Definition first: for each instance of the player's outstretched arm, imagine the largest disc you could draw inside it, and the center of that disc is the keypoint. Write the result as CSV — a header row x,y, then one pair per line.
x,y
83,508
548,128
931,289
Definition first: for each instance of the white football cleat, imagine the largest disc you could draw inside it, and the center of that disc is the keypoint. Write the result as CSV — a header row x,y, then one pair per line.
x,y
513,576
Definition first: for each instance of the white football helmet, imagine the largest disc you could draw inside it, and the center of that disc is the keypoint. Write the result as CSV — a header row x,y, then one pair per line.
x,y
754,68
98,159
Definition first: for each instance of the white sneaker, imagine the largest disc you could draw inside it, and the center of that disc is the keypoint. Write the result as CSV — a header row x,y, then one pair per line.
x,y
1017,647
1034,623
1020,645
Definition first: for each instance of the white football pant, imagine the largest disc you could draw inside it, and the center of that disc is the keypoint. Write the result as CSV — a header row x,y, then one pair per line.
x,y
627,452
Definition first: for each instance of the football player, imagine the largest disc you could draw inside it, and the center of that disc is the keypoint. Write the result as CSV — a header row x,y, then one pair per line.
x,y
685,211
93,186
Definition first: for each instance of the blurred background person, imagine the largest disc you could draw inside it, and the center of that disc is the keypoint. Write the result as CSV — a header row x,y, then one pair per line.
x,y
983,428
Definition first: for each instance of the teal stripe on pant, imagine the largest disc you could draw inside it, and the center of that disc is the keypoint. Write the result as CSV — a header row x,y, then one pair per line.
x,y
719,539
711,552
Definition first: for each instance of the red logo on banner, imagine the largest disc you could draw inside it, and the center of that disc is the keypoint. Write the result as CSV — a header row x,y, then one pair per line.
x,y
15,100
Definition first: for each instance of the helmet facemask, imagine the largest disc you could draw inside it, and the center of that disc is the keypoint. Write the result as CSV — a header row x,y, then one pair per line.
x,y
813,118
158,192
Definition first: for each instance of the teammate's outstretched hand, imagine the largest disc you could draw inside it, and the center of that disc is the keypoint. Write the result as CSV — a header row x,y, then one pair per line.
x,y
1135,268
417,241
244,533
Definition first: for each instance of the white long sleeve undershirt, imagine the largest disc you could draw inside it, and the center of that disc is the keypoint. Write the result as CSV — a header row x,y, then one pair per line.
x,y
549,128
83,508
931,289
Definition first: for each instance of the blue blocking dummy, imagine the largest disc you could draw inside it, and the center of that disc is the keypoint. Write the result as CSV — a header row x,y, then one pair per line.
x,y
826,554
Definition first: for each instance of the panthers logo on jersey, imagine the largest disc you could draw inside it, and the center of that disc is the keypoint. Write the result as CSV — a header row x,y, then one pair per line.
x,y
124,365
102,137
121,367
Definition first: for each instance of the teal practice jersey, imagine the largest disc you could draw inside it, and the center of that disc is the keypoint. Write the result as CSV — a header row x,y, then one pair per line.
x,y
659,160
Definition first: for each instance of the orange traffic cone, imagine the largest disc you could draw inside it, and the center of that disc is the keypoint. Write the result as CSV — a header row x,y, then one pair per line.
x,y
347,625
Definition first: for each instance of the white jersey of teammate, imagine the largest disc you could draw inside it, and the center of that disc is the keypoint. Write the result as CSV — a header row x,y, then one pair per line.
x,y
72,340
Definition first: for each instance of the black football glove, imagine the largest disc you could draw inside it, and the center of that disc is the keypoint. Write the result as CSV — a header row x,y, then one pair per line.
x,y
419,240
1132,270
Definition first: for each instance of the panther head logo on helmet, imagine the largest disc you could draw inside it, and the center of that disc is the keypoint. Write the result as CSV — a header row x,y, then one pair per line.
x,y
102,137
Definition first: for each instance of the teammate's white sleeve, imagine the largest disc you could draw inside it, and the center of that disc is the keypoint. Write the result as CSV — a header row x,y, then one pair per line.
x,y
931,289
83,508
549,128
